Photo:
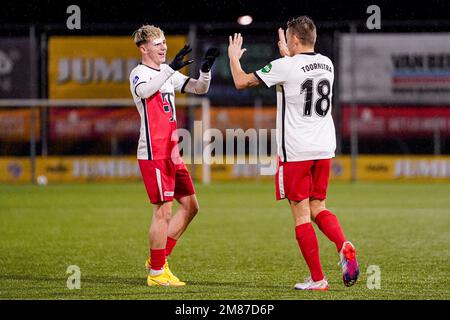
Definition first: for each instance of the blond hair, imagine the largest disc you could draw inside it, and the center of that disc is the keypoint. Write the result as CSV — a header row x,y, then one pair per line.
x,y
145,33
304,28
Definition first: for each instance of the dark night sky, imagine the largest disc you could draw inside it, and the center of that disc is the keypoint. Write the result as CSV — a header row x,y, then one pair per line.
x,y
43,12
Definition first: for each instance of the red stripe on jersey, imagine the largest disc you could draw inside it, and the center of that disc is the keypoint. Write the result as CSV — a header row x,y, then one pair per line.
x,y
161,126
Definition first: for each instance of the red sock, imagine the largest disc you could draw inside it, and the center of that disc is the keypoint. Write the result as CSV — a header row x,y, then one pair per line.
x,y
307,241
158,258
328,223
171,242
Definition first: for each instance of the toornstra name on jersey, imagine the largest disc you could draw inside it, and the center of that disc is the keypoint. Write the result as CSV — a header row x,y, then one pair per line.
x,y
305,128
314,66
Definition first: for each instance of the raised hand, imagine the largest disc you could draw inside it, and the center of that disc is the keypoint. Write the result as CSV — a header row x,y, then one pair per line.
x,y
282,44
235,46
178,63
210,56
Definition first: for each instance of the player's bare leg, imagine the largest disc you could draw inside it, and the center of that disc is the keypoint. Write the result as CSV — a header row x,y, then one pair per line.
x,y
176,227
157,236
160,225
184,215
328,223
300,211
179,222
157,239
309,246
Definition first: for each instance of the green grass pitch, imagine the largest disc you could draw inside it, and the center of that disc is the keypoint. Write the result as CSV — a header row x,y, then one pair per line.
x,y
240,246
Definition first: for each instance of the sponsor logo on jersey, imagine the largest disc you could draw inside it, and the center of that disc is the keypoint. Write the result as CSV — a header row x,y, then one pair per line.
x,y
267,68
136,78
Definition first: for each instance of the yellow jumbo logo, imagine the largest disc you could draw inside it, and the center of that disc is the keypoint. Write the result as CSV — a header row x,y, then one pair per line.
x,y
96,67
94,70
126,168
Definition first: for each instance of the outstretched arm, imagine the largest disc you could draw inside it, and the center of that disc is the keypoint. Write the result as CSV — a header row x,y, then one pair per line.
x,y
147,89
201,85
241,79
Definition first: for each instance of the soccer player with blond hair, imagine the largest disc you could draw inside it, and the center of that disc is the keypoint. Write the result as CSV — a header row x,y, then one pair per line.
x,y
153,84
306,141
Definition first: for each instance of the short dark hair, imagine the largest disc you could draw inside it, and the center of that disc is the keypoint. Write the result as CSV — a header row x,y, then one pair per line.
x,y
304,29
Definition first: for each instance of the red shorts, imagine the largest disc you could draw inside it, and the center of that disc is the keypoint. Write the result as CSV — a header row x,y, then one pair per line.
x,y
301,180
164,180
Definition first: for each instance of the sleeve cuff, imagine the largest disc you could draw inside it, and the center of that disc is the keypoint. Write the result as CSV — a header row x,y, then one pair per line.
x,y
260,79
184,85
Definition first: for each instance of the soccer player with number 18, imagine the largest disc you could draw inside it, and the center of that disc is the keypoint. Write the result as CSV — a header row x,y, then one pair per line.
x,y
306,141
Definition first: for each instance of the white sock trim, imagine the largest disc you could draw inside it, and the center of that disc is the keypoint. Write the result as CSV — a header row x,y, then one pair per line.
x,y
154,273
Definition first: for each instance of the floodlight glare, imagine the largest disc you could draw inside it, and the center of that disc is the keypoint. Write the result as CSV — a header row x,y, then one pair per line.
x,y
245,20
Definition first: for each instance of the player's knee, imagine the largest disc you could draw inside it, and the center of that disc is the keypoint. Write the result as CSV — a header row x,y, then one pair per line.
x,y
190,206
316,208
164,212
160,215
305,212
193,209
164,216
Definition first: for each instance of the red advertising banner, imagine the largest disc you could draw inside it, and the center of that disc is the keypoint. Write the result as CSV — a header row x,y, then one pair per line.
x,y
16,124
382,121
98,123
93,122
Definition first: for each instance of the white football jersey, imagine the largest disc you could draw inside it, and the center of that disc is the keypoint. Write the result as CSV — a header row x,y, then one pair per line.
x,y
158,113
305,128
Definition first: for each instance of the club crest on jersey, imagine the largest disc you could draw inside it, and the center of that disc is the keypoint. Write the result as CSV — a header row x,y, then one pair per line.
x,y
136,78
267,68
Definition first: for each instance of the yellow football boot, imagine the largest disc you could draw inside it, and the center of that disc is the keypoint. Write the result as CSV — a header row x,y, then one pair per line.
x,y
163,280
173,278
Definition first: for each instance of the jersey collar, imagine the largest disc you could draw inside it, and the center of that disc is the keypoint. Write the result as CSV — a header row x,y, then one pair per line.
x,y
149,66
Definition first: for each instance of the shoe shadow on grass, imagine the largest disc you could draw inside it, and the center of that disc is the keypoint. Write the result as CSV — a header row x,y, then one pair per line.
x,y
234,284
87,279
138,281
106,287
115,287
134,281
